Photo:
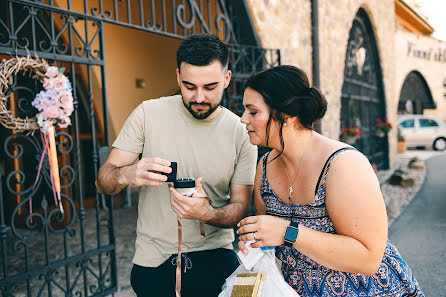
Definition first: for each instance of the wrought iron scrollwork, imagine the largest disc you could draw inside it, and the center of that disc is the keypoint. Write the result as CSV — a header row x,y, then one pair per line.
x,y
362,92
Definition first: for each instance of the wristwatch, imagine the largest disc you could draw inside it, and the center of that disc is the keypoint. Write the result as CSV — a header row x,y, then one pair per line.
x,y
291,234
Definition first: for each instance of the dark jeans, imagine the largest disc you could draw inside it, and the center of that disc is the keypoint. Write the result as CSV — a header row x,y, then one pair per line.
x,y
202,274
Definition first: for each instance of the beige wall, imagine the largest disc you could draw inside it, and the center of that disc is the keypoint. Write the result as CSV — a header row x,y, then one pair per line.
x,y
422,57
286,24
131,54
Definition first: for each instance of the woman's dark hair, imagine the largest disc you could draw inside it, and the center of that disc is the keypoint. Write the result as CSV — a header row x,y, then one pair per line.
x,y
286,90
202,50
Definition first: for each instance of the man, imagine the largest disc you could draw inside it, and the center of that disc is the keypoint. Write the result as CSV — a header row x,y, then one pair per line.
x,y
207,141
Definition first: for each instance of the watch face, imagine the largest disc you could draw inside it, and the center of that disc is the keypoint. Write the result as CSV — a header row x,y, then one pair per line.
x,y
291,233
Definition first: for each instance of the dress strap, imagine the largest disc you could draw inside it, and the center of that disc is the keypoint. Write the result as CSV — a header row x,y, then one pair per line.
x,y
265,156
327,165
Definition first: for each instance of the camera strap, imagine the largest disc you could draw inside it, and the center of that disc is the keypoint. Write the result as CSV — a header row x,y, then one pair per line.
x,y
180,243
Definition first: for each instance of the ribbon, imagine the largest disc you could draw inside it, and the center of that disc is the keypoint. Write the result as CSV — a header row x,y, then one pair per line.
x,y
52,156
180,243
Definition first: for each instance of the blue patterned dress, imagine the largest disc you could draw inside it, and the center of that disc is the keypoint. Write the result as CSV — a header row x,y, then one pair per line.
x,y
394,277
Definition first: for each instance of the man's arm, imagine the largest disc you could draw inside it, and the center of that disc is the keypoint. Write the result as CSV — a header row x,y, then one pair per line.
x,y
121,170
200,209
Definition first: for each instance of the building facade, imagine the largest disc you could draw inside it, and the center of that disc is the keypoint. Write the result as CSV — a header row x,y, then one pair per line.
x,y
394,40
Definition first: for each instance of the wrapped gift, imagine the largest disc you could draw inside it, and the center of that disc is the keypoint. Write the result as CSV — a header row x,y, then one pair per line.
x,y
248,285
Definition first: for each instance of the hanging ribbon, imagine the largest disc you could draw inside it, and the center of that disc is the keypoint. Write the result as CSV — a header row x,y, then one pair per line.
x,y
180,243
52,156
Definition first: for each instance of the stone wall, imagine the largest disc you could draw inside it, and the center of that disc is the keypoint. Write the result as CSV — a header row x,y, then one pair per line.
x,y
286,24
427,56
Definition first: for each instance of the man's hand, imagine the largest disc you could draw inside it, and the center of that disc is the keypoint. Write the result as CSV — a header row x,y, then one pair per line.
x,y
123,169
196,207
146,172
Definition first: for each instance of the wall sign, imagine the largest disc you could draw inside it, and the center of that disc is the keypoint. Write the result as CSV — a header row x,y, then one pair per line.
x,y
430,54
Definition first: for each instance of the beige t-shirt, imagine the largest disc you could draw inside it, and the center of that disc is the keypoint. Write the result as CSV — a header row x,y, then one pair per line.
x,y
217,150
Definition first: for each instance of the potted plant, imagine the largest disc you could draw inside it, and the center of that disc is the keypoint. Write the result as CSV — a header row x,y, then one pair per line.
x,y
382,127
401,143
349,135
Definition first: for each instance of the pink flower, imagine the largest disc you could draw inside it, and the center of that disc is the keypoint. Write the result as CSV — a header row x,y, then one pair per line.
x,y
48,83
52,71
60,83
65,100
51,111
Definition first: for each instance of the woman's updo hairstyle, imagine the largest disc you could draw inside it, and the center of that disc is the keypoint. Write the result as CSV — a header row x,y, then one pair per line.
x,y
286,90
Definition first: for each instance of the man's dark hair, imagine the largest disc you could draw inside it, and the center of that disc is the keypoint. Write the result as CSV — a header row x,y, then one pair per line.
x,y
202,50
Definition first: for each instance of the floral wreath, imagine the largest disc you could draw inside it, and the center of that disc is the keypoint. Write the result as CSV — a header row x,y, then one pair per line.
x,y
55,103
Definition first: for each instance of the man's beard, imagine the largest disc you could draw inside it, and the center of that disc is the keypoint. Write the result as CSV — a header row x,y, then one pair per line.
x,y
200,115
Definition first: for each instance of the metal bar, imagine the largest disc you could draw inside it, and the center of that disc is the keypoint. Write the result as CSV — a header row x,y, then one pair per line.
x,y
184,18
129,13
153,14
128,24
56,265
3,231
141,13
201,12
49,56
104,89
360,83
174,18
209,16
115,9
33,30
315,52
13,37
53,31
164,16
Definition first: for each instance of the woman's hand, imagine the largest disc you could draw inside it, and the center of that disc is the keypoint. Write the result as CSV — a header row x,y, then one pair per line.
x,y
264,229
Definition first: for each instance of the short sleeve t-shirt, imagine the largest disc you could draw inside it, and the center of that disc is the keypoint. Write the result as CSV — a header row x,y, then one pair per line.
x,y
217,150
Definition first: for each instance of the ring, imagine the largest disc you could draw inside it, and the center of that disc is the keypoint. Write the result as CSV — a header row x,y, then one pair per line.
x,y
254,235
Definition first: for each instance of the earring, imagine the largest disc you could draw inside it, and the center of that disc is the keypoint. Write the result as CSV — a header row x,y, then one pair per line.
x,y
285,124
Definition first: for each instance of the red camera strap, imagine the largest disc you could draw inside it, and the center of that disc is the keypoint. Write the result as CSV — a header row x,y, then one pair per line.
x,y
180,243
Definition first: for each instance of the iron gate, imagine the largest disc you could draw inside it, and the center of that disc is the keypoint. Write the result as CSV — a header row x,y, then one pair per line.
x,y
362,97
47,253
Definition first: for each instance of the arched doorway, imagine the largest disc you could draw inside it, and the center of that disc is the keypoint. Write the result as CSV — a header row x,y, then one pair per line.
x,y
415,95
362,96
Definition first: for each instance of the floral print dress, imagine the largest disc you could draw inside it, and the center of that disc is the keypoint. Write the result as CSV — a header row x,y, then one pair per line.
x,y
393,278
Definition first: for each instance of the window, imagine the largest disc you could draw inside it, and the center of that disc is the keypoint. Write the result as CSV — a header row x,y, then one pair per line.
x,y
425,123
408,124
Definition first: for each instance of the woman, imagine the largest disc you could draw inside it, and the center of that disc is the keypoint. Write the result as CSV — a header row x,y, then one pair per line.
x,y
330,232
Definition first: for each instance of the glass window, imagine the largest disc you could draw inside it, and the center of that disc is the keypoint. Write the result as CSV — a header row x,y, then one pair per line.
x,y
428,123
408,124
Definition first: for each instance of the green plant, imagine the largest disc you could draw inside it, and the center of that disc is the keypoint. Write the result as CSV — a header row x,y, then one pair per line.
x,y
351,131
383,125
400,136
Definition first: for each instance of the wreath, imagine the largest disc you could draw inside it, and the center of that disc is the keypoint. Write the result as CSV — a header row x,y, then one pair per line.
x,y
55,103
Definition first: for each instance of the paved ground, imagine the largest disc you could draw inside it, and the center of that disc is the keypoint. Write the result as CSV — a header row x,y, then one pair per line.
x,y
419,232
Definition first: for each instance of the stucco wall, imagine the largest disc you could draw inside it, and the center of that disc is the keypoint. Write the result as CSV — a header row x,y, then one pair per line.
x,y
131,54
421,53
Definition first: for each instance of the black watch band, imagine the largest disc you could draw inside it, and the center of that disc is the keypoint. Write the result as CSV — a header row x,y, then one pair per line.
x,y
291,234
